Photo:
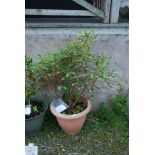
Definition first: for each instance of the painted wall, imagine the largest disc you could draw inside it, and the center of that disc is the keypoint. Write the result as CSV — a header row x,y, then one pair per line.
x,y
116,45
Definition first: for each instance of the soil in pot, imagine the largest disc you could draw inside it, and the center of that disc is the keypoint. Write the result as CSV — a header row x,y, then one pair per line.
x,y
36,109
77,108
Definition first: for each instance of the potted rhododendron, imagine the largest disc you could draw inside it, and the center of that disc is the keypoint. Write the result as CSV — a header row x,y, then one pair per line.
x,y
76,72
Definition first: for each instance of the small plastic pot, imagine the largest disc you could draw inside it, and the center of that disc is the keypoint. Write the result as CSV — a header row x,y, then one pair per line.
x,y
33,125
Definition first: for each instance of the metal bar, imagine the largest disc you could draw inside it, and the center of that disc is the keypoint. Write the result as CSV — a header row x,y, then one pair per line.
x,y
59,12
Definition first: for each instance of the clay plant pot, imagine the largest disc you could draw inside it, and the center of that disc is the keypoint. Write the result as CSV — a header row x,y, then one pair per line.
x,y
71,124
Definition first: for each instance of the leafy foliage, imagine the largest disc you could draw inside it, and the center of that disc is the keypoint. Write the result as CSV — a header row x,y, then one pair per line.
x,y
74,69
119,104
30,87
35,109
113,117
29,92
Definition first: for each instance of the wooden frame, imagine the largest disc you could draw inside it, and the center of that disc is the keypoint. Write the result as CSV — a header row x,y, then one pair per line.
x,y
105,7
90,7
58,12
124,3
115,6
109,10
91,11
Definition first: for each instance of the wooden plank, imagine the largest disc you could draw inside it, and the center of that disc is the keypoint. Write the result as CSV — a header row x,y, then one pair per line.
x,y
99,4
124,3
90,7
94,2
105,6
69,20
115,6
58,12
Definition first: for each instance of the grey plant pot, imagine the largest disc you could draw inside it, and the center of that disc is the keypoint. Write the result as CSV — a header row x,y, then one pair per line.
x,y
33,125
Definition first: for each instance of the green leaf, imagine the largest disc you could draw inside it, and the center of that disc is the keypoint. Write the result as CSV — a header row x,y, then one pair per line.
x,y
65,88
67,75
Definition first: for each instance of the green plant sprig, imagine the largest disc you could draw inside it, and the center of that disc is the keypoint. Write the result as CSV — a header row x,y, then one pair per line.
x,y
74,69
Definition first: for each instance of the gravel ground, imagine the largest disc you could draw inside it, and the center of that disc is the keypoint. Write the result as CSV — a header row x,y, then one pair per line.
x,y
96,138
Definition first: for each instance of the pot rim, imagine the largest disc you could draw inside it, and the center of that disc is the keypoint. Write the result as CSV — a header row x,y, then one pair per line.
x,y
74,116
46,107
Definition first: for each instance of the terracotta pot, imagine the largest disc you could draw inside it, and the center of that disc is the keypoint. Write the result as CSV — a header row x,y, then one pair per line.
x,y
71,124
